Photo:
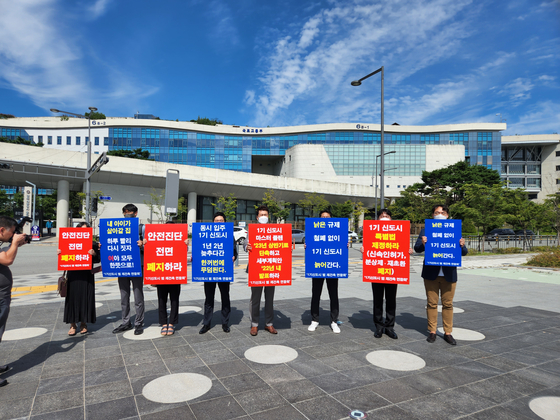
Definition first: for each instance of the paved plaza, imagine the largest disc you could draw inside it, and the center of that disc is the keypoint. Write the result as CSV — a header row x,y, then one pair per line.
x,y
506,364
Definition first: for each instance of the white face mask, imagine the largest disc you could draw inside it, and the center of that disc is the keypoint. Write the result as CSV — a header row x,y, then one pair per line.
x,y
440,216
263,220
384,218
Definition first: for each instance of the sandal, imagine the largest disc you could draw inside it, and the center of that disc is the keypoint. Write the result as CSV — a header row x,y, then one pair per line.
x,y
164,330
83,329
73,331
171,329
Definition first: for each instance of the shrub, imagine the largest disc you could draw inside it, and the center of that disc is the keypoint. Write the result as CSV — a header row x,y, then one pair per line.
x,y
546,259
510,250
544,248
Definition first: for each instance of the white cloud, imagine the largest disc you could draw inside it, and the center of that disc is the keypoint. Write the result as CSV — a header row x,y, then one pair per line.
x,y
543,118
518,90
46,62
99,8
349,40
547,78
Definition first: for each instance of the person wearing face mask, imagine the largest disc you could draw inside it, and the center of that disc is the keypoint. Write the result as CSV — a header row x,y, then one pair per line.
x,y
131,211
256,292
439,280
317,288
210,290
390,291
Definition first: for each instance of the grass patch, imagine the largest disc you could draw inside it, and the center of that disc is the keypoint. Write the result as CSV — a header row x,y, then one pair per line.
x,y
546,259
510,250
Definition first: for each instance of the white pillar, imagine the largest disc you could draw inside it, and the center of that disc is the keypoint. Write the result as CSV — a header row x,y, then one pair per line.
x,y
62,204
191,205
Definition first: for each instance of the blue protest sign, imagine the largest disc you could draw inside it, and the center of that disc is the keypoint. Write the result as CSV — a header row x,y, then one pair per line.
x,y
326,252
443,246
120,254
212,252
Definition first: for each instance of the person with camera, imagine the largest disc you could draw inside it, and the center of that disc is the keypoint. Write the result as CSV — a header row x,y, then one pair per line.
x,y
7,257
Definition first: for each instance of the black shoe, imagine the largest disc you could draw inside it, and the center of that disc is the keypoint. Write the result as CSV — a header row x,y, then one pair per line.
x,y
225,328
204,329
391,333
4,369
449,339
138,330
378,333
122,328
3,382
431,338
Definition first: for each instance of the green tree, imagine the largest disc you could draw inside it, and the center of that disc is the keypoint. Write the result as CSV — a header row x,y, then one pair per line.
x,y
48,204
156,204
20,140
278,209
482,207
6,206
358,210
133,154
552,212
207,121
18,200
342,209
313,203
95,115
227,205
522,213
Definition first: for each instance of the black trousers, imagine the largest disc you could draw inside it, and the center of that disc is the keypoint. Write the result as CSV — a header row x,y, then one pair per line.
x,y
209,292
173,290
316,289
390,291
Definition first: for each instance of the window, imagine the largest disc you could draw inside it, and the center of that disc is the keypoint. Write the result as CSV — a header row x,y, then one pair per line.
x,y
97,141
106,141
557,154
40,139
398,186
68,140
558,167
30,138
49,139
558,181
387,186
58,139
87,140
78,140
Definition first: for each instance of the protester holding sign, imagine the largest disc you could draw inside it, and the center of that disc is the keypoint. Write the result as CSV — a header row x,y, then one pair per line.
x,y
132,236
219,244
333,237
439,279
165,260
386,265
79,304
269,266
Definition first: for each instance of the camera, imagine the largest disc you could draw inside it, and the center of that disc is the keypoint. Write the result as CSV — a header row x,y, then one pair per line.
x,y
19,229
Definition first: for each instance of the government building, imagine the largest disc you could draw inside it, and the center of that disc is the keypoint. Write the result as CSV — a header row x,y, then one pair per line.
x,y
338,160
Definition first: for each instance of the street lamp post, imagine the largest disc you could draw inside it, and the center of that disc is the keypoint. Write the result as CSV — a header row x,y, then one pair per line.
x,y
358,83
382,202
88,183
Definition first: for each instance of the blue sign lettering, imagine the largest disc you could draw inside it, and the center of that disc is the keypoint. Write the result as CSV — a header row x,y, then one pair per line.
x,y
212,252
326,252
443,247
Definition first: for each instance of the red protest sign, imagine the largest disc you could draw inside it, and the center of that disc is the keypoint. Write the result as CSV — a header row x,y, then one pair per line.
x,y
165,254
386,251
270,260
74,244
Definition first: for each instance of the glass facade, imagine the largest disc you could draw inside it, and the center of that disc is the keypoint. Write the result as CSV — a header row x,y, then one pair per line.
x,y
351,152
521,166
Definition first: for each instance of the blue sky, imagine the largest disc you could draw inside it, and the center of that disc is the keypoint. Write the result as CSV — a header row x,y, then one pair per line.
x,y
277,63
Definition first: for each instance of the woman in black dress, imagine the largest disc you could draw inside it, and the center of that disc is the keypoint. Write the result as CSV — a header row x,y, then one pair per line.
x,y
79,305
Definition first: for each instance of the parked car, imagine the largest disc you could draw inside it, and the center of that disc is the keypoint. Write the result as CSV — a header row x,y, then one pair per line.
x,y
240,234
352,236
529,234
500,234
298,235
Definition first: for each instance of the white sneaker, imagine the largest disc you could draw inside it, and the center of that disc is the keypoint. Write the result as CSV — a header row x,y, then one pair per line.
x,y
335,328
313,326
